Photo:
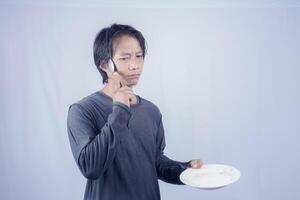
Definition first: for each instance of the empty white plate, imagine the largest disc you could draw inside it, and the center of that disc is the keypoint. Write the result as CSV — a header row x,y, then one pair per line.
x,y
210,176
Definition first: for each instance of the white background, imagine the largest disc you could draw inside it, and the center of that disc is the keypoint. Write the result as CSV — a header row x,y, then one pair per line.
x,y
225,75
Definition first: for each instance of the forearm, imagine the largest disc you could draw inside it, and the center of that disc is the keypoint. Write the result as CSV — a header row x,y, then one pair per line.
x,y
169,170
98,153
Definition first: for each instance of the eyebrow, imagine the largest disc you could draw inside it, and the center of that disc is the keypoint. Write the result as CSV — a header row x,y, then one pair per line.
x,y
128,54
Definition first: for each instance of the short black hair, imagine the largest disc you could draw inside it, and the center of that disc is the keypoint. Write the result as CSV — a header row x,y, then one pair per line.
x,y
103,44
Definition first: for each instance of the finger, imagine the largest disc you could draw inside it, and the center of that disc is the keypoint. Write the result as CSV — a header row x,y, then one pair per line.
x,y
125,91
115,76
125,88
196,164
201,163
109,73
128,91
130,96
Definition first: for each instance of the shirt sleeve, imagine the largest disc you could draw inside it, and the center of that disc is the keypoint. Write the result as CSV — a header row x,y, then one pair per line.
x,y
92,149
168,170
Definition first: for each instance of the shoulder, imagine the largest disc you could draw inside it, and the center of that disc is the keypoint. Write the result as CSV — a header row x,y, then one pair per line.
x,y
84,105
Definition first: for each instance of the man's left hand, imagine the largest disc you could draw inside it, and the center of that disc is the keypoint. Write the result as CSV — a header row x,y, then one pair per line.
x,y
195,164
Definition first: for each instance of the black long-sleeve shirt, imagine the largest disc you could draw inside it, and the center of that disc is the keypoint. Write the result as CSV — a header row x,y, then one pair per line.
x,y
120,149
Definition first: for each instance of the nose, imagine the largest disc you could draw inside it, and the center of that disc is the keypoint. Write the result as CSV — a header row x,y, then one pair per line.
x,y
133,66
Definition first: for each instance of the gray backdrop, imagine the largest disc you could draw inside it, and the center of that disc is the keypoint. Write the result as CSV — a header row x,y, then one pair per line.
x,y
225,76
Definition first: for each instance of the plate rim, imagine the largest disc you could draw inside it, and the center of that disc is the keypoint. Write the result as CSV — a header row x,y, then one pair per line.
x,y
209,187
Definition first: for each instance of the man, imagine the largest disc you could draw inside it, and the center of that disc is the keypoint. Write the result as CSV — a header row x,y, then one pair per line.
x,y
117,137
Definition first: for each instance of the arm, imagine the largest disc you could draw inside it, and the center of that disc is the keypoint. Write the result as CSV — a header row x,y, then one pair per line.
x,y
167,170
94,151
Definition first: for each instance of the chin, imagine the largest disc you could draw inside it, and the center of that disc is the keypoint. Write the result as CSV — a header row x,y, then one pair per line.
x,y
131,84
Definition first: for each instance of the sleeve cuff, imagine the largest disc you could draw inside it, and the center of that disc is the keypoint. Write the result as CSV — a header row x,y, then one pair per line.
x,y
120,114
122,105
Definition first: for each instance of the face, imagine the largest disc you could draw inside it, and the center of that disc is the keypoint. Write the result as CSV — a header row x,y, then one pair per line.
x,y
128,58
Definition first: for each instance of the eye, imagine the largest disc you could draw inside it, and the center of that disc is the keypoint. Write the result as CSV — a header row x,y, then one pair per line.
x,y
139,56
124,58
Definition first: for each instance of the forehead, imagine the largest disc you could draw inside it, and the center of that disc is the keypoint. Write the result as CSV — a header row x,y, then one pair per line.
x,y
126,44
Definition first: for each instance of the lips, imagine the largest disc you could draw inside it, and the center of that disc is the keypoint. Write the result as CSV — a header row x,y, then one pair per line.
x,y
133,76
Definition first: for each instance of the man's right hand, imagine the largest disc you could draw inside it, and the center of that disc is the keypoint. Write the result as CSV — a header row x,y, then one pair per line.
x,y
124,95
114,79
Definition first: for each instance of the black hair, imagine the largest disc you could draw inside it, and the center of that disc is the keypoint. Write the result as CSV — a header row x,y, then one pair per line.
x,y
103,44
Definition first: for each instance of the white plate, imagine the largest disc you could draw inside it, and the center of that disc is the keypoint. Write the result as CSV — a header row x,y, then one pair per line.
x,y
210,176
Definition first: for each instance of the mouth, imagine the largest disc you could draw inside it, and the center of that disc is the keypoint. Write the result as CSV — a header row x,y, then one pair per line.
x,y
134,76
